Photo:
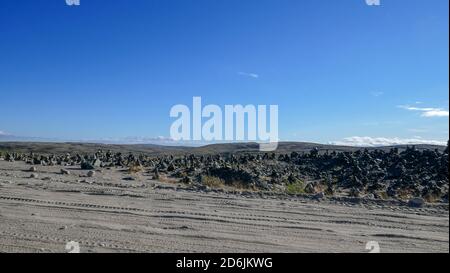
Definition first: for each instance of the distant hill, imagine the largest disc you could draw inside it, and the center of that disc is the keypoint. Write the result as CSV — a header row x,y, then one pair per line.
x,y
151,149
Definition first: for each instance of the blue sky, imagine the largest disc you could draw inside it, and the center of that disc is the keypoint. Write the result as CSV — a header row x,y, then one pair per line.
x,y
337,69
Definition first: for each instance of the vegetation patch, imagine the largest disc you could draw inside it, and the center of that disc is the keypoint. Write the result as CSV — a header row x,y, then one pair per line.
x,y
212,181
296,187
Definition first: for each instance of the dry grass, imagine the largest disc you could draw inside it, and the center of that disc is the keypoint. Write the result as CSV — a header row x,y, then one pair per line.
x,y
383,195
431,198
135,169
404,194
212,181
241,186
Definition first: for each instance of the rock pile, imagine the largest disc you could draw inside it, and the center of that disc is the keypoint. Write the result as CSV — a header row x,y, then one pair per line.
x,y
376,173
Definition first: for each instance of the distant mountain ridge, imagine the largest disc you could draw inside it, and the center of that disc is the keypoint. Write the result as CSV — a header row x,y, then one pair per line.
x,y
153,149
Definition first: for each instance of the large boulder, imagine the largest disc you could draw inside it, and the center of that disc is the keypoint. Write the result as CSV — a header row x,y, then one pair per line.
x,y
87,166
416,202
233,175
310,188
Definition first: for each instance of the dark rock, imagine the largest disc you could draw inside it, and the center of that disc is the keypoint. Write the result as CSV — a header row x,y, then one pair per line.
x,y
87,166
416,202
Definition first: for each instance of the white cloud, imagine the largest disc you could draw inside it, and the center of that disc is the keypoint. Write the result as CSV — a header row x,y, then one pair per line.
x,y
251,75
384,141
2,133
427,112
435,113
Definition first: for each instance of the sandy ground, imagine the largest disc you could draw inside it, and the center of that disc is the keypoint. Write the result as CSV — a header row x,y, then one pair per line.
x,y
106,213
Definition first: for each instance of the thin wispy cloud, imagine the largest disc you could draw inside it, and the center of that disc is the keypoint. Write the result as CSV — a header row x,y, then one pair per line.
x,y
377,93
134,140
2,133
427,112
366,141
418,130
250,75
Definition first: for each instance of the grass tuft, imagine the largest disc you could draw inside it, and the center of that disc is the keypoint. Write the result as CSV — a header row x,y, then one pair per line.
x,y
297,187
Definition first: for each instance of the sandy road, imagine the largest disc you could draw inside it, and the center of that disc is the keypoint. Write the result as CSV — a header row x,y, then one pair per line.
x,y
108,214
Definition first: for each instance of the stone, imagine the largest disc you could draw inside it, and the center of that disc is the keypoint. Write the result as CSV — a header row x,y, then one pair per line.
x,y
445,198
156,176
186,180
416,202
370,196
319,195
309,188
65,172
203,188
90,174
97,163
416,172
86,166
34,175
354,192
